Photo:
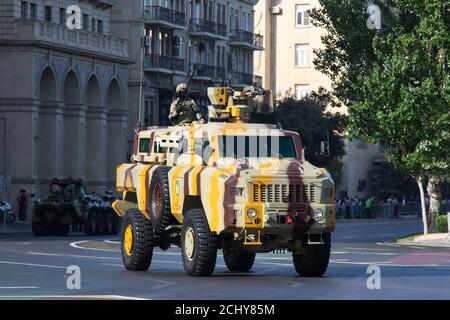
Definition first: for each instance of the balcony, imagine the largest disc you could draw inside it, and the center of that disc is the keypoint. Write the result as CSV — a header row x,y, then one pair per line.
x,y
220,73
242,78
207,28
164,16
203,71
58,36
164,64
242,38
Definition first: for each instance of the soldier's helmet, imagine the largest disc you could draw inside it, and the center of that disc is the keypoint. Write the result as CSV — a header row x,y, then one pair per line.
x,y
182,87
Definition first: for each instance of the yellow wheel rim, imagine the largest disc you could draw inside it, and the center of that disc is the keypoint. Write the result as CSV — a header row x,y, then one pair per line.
x,y
128,240
189,244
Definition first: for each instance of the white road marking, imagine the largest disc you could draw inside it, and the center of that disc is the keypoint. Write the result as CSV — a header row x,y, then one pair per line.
x,y
364,253
276,264
112,241
76,244
19,288
33,265
295,284
398,245
45,254
163,284
73,297
374,249
265,271
384,264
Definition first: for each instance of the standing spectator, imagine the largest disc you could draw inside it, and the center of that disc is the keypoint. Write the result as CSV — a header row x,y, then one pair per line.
x,y
369,207
396,206
390,207
348,208
22,200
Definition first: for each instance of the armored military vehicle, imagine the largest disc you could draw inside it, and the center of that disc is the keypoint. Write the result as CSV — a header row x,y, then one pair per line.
x,y
228,184
69,205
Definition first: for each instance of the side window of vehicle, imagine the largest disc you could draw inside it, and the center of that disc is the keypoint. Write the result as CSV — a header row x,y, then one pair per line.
x,y
144,145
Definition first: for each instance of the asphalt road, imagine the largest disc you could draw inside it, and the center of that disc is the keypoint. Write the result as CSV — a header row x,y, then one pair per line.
x,y
35,268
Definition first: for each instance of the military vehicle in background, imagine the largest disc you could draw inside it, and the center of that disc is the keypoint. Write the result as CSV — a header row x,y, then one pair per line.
x,y
68,204
6,212
228,184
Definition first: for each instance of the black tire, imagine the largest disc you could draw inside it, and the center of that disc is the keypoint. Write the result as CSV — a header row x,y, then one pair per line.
x,y
91,226
40,229
201,261
107,222
10,218
115,224
61,230
161,216
140,256
238,259
313,260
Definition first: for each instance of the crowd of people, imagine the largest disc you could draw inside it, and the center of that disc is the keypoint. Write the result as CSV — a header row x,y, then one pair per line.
x,y
371,207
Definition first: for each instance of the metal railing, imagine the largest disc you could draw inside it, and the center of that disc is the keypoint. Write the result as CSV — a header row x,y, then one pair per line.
x,y
30,29
381,211
203,70
156,61
242,77
202,25
246,37
220,73
165,14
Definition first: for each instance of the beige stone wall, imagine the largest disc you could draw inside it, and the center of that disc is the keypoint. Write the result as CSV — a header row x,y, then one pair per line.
x,y
276,64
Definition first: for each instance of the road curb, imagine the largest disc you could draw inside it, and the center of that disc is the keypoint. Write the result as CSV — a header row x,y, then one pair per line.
x,y
430,244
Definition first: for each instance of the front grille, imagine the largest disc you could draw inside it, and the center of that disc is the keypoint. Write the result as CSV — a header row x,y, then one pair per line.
x,y
284,193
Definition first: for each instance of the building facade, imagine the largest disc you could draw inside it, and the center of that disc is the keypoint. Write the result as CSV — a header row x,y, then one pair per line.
x,y
286,65
63,95
212,39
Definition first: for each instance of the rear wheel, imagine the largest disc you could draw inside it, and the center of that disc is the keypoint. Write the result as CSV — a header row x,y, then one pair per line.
x,y
10,217
238,259
198,244
312,261
40,229
159,199
91,227
137,241
107,217
61,230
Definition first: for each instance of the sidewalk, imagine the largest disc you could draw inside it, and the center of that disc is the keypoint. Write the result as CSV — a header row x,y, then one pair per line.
x,y
441,240
16,227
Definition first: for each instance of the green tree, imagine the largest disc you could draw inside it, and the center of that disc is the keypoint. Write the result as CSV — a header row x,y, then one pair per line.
x,y
395,82
315,125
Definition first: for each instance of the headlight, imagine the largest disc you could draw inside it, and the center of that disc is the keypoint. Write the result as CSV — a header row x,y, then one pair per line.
x,y
251,213
318,213
236,191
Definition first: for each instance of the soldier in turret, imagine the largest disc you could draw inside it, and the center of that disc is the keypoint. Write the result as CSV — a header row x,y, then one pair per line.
x,y
184,110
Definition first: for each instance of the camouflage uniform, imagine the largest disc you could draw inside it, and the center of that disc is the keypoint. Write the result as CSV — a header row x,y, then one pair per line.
x,y
183,110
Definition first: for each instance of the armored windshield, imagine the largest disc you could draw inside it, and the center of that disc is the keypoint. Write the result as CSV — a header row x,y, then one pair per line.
x,y
256,147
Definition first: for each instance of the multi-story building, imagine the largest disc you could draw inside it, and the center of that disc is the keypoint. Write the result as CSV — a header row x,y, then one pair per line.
x,y
172,38
63,94
286,65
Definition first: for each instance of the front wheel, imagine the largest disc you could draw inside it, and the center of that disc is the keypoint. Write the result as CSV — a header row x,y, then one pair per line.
x,y
312,260
198,244
137,241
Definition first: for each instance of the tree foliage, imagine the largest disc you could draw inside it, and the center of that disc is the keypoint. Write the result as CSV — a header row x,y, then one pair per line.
x,y
310,118
395,82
